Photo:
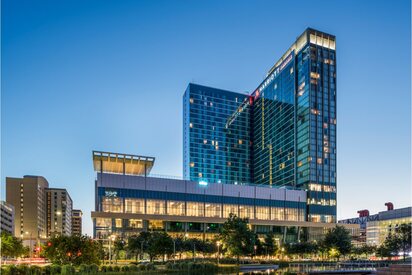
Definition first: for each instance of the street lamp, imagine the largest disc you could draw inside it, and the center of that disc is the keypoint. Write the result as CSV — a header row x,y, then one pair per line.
x,y
174,251
111,238
218,251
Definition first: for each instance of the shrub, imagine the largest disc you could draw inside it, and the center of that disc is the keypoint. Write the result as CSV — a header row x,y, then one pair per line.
x,y
35,270
68,270
141,267
116,268
125,268
103,268
109,268
133,268
183,266
11,269
150,266
55,269
23,269
94,268
83,268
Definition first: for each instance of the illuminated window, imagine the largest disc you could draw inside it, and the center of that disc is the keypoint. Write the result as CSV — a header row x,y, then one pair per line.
x,y
118,223
191,125
156,207
204,141
112,204
135,223
240,141
300,163
195,209
200,175
228,209
176,208
191,100
262,213
282,165
212,210
314,75
246,211
319,161
291,70
192,164
135,206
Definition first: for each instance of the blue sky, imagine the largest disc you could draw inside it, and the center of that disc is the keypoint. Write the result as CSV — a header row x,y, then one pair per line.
x,y
107,75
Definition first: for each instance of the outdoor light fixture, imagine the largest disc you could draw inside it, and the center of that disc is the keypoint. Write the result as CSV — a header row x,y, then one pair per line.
x,y
203,183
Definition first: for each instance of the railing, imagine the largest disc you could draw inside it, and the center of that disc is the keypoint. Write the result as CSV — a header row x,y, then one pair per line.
x,y
335,266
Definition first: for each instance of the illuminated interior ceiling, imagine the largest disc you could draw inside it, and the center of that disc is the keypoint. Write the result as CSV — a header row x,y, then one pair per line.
x,y
116,163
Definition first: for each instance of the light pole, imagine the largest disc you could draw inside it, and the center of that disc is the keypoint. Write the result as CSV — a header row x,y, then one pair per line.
x,y
174,251
218,252
111,238
31,248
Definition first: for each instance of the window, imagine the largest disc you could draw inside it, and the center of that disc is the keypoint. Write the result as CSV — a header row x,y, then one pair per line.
x,y
228,209
195,209
246,211
103,222
135,223
135,206
176,208
191,100
212,210
112,204
118,223
156,207
262,213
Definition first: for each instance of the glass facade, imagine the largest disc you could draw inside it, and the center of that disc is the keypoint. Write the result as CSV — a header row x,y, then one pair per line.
x,y
284,134
207,139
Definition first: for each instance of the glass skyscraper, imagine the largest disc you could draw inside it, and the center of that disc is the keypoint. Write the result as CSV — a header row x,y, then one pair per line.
x,y
287,128
210,141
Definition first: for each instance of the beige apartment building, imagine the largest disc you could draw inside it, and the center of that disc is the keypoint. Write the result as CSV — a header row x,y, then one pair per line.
x,y
28,196
77,222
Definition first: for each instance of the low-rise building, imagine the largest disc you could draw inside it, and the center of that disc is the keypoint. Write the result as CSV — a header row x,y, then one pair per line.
x,y
375,228
6,217
129,200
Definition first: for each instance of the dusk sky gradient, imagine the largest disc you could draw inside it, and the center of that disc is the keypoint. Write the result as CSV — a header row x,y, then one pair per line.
x,y
108,75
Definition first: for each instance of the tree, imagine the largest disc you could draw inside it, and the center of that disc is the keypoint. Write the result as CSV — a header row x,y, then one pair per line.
x,y
138,244
338,241
160,243
118,246
72,250
363,250
302,248
403,238
269,244
11,246
236,237
399,241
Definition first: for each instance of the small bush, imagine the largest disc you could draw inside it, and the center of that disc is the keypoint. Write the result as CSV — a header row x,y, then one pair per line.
x,y
68,270
83,268
23,269
109,268
116,268
35,270
133,268
94,268
103,268
150,266
141,267
55,269
125,268
11,269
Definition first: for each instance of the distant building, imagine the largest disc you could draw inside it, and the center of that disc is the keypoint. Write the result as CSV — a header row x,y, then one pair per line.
x,y
59,212
28,196
77,222
6,217
375,228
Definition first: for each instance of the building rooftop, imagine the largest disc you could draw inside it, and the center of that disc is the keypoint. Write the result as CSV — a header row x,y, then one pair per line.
x,y
117,163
